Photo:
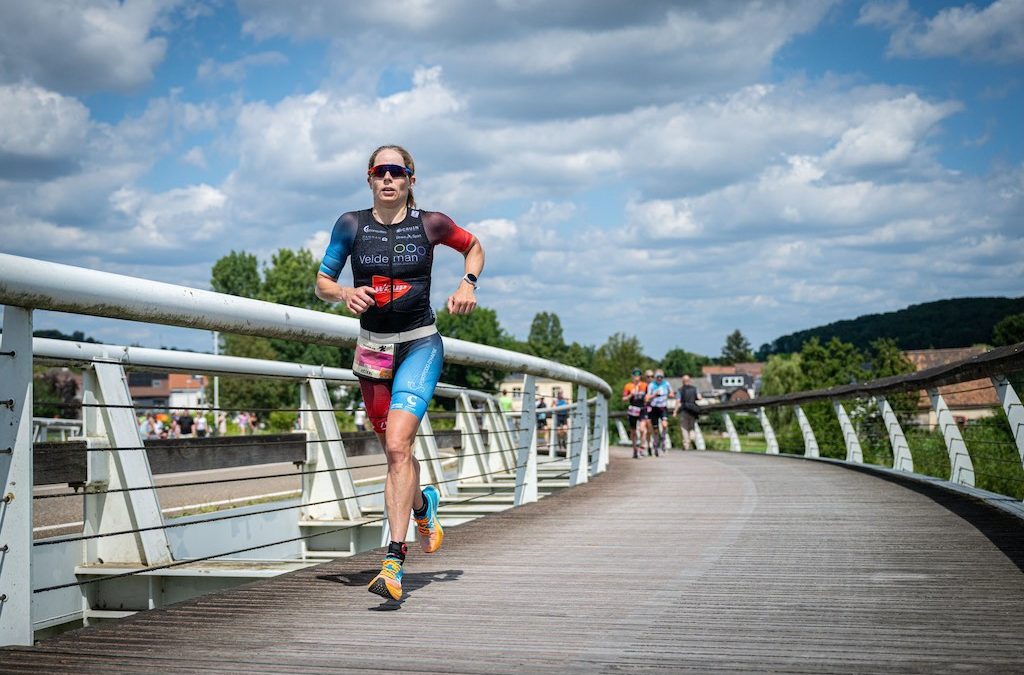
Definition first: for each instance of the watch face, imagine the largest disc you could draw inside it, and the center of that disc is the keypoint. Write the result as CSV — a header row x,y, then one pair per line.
x,y
471,277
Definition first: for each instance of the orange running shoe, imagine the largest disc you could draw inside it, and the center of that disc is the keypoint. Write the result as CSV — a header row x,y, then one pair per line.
x,y
388,584
429,527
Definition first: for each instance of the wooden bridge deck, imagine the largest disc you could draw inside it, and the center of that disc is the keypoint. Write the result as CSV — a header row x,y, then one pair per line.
x,y
696,561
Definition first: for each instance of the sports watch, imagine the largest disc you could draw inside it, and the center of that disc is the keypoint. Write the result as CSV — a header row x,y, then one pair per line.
x,y
470,279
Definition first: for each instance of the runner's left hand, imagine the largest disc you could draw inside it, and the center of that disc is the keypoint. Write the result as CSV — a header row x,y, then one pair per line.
x,y
463,301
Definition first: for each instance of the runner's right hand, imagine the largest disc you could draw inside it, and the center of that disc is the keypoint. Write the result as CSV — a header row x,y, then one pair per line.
x,y
358,299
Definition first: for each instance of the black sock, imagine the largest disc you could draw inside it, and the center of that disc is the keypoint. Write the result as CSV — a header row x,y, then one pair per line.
x,y
397,549
421,513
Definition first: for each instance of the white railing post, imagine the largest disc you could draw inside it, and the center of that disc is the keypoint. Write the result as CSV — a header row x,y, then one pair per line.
x,y
526,452
425,449
500,444
325,451
698,437
16,477
578,439
853,450
1014,411
730,429
623,436
601,433
124,465
810,442
901,457
772,443
961,468
472,467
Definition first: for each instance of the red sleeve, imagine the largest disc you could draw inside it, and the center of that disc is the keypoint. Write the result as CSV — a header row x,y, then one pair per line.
x,y
441,229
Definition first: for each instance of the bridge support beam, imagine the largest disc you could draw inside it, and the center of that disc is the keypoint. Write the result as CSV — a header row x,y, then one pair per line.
x,y
771,443
526,450
579,442
500,453
961,468
1014,411
124,465
698,437
623,436
325,450
810,442
473,467
734,439
601,434
901,457
16,477
853,450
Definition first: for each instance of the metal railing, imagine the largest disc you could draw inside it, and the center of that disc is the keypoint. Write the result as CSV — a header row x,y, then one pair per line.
x,y
867,419
125,533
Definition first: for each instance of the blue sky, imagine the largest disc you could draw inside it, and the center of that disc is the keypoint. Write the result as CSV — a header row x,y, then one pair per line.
x,y
669,170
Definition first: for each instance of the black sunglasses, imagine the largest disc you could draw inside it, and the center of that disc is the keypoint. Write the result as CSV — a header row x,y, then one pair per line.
x,y
396,171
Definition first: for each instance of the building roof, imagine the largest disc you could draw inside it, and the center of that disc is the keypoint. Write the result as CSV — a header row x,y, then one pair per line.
x,y
973,394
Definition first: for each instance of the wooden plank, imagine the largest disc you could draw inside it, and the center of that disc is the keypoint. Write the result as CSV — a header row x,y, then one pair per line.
x,y
689,562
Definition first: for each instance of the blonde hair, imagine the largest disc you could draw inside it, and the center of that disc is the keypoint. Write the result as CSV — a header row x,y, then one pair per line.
x,y
410,201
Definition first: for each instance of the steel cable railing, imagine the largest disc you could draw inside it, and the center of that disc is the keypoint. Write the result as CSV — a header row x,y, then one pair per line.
x,y
179,563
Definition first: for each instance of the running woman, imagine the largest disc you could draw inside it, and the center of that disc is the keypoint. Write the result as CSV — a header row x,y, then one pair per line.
x,y
658,395
399,353
634,396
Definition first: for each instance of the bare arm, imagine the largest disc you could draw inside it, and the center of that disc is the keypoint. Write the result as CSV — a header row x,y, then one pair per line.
x,y
463,301
357,299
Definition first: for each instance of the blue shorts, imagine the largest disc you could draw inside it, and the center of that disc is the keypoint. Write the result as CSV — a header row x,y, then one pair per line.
x,y
417,371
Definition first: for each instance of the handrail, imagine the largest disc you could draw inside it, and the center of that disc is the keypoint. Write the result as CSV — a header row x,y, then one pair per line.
x,y
998,360
169,360
37,284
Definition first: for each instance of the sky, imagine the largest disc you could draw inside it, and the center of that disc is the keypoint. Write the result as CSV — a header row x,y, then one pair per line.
x,y
672,171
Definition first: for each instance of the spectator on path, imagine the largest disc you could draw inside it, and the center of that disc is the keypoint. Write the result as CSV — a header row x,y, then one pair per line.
x,y
201,426
562,419
361,417
542,423
687,410
505,401
185,424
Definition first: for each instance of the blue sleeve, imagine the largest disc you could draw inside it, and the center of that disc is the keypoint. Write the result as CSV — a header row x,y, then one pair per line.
x,y
338,250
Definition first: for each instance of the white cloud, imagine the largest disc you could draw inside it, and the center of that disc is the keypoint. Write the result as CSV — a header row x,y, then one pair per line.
x,y
195,156
82,45
992,34
170,220
44,133
235,71
556,60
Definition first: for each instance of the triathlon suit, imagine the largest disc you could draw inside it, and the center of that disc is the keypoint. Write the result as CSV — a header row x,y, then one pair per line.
x,y
400,353
636,393
659,400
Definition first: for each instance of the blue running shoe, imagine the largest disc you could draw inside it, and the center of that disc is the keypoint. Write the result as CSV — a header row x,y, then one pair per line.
x,y
429,528
388,584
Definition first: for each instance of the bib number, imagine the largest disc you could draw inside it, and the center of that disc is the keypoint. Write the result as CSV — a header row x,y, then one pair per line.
x,y
633,411
374,360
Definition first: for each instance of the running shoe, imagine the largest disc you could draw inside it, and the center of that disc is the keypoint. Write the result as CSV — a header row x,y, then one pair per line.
x,y
388,584
429,528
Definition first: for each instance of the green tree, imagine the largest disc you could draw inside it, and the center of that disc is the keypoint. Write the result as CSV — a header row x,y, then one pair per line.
x,y
237,274
546,339
579,356
736,349
614,360
782,374
681,362
480,326
253,393
1009,331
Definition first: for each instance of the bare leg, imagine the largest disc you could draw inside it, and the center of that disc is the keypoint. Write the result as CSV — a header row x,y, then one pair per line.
x,y
402,487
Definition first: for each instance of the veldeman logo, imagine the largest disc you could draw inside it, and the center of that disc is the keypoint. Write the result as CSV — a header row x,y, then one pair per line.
x,y
374,259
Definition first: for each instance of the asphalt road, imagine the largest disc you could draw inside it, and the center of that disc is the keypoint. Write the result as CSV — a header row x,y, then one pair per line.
x,y
62,515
